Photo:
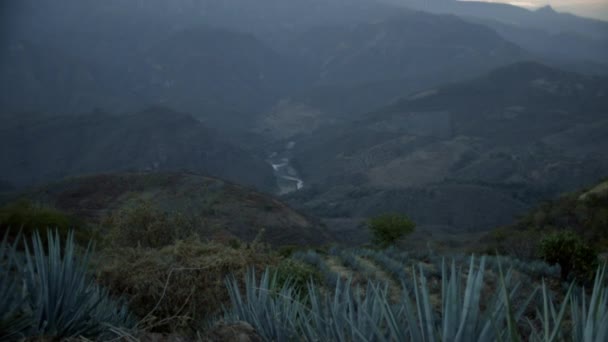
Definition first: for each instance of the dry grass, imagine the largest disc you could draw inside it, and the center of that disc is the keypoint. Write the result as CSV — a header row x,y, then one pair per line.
x,y
179,287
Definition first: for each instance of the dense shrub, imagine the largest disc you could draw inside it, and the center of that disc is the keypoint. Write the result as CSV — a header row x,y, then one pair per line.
x,y
574,256
387,229
177,287
26,217
143,224
297,273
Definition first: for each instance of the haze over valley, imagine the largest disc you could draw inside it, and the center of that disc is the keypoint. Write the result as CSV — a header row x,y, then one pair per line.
x,y
295,123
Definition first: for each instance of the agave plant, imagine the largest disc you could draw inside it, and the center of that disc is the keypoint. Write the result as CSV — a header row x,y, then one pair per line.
x,y
460,316
352,313
590,318
367,314
330,278
13,321
59,299
274,312
349,314
394,268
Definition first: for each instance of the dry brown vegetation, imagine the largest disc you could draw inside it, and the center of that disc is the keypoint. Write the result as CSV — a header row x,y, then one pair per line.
x,y
180,286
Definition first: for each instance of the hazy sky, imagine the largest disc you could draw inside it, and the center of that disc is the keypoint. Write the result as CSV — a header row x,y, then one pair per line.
x,y
588,8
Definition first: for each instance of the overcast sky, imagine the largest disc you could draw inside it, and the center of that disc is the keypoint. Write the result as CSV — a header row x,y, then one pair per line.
x,y
588,8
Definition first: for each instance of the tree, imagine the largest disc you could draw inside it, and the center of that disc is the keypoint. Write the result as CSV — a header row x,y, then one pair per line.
x,y
571,253
387,229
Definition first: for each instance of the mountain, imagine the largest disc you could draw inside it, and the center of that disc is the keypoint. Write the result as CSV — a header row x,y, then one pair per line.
x,y
36,148
545,18
469,155
217,208
262,17
561,37
584,212
220,76
411,45
566,48
364,66
41,78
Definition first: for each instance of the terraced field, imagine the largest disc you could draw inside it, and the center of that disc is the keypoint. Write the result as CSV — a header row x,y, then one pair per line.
x,y
392,295
396,269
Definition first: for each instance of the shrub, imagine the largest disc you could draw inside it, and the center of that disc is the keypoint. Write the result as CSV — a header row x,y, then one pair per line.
x,y
180,286
387,229
27,217
571,253
296,273
146,225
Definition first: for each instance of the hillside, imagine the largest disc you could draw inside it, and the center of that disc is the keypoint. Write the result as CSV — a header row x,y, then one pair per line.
x,y
512,137
218,210
220,76
584,212
36,148
407,45
556,36
362,67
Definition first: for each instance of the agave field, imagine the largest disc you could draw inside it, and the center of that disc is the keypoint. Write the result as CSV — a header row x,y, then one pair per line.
x,y
390,295
363,295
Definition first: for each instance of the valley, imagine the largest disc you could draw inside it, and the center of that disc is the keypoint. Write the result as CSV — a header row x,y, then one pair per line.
x,y
287,176
305,170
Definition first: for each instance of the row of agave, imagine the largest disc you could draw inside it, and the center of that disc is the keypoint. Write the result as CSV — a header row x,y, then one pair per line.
x,y
46,290
394,268
352,313
329,277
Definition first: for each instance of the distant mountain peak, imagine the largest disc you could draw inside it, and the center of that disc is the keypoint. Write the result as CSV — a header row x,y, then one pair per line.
x,y
547,9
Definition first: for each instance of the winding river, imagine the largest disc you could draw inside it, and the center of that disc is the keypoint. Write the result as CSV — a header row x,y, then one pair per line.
x,y
287,176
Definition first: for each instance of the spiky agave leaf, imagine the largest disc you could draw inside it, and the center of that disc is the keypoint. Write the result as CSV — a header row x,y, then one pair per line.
x,y
13,320
347,314
63,299
274,312
590,319
461,318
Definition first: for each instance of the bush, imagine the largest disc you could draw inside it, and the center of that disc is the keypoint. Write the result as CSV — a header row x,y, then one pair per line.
x,y
297,273
178,287
27,217
146,225
571,253
387,229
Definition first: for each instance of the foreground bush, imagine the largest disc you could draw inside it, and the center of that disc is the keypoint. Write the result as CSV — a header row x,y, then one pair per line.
x,y
146,225
26,217
179,287
460,313
47,291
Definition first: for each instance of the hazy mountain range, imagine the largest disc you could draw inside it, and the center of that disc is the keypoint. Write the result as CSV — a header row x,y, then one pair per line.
x,y
461,114
503,141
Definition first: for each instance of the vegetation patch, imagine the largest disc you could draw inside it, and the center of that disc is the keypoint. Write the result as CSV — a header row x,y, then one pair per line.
x,y
583,213
27,217
387,229
178,287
